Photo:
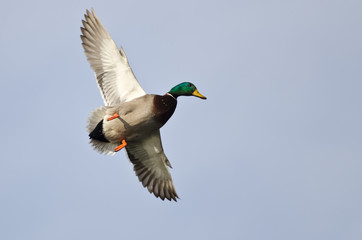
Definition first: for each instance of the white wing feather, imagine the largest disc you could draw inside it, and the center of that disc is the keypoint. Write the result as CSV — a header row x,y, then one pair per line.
x,y
115,78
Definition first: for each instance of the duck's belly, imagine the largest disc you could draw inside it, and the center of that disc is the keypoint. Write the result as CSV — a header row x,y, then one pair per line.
x,y
131,124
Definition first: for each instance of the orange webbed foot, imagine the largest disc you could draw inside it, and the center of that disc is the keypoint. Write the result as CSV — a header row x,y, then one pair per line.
x,y
121,146
115,115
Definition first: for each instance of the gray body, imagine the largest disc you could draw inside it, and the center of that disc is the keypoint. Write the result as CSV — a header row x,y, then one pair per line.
x,y
135,120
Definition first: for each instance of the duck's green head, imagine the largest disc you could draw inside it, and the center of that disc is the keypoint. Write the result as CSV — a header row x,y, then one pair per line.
x,y
185,89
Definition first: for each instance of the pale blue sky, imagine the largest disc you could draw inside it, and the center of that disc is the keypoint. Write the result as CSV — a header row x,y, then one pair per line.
x,y
275,152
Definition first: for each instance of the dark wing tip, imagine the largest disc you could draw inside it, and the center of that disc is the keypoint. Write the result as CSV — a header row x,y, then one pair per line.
x,y
164,190
159,184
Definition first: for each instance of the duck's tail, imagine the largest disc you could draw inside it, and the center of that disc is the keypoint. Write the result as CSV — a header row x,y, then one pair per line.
x,y
95,130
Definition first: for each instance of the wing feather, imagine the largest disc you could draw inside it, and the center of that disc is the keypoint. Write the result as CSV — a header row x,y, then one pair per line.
x,y
150,165
115,78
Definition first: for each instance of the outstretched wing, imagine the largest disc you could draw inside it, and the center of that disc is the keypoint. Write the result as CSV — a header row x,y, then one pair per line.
x,y
150,164
115,78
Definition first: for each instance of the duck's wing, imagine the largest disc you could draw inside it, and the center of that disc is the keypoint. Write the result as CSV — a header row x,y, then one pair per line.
x,y
150,164
115,78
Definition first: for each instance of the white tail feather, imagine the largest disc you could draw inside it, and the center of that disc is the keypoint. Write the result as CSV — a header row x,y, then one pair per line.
x,y
95,117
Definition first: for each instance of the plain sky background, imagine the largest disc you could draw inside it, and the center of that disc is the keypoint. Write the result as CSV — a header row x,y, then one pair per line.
x,y
275,152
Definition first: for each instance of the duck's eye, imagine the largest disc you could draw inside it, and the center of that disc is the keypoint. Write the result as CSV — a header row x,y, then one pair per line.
x,y
189,85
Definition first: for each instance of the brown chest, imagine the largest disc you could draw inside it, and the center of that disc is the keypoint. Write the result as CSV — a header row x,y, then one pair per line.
x,y
163,108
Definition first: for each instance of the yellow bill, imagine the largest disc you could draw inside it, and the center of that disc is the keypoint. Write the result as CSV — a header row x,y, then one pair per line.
x,y
197,94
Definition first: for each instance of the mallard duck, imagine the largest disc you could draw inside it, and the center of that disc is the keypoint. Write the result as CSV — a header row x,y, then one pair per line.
x,y
130,119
